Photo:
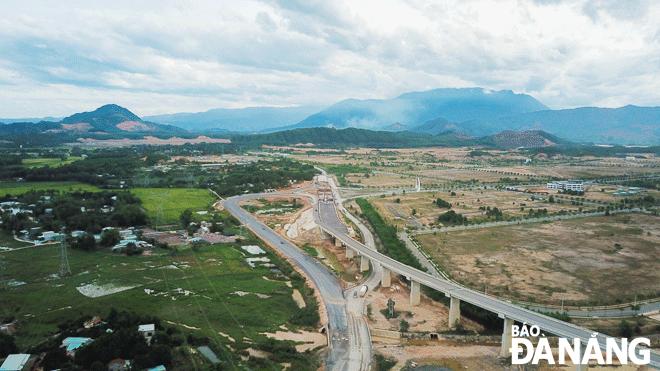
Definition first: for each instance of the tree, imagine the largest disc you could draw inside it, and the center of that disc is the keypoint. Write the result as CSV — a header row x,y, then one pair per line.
x,y
551,199
110,237
414,212
7,345
85,242
97,366
404,325
625,329
186,218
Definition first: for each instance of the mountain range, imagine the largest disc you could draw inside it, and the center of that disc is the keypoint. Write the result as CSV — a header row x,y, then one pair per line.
x,y
471,112
411,109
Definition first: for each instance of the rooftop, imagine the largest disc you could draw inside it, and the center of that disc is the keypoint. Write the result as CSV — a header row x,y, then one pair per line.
x,y
14,362
149,327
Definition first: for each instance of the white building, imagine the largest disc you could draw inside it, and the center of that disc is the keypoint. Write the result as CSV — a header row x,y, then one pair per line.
x,y
569,185
147,331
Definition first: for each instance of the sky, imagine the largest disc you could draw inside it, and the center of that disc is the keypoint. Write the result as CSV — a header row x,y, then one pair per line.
x,y
155,57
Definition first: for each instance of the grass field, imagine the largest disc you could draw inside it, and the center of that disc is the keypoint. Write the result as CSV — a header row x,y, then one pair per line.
x,y
52,162
606,258
210,290
174,201
18,188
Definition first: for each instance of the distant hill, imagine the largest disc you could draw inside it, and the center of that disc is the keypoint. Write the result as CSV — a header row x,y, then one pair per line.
x,y
412,109
527,139
625,125
354,137
252,119
108,119
32,120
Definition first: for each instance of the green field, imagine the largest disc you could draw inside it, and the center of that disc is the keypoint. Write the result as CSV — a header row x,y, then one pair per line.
x,y
211,274
18,188
174,201
52,162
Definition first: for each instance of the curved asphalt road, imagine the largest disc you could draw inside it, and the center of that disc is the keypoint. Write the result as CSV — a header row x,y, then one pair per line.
x,y
339,357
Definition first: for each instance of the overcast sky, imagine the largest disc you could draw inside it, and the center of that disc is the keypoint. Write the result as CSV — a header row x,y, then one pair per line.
x,y
156,57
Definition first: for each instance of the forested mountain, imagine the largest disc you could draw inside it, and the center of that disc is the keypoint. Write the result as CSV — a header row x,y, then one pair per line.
x,y
109,119
412,109
354,137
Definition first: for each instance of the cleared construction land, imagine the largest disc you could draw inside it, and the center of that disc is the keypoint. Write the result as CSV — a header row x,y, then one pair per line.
x,y
604,259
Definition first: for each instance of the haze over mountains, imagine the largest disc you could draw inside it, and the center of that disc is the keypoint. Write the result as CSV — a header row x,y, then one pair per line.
x,y
251,119
469,112
415,108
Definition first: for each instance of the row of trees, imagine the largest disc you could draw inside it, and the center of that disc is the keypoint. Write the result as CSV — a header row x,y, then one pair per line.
x,y
393,246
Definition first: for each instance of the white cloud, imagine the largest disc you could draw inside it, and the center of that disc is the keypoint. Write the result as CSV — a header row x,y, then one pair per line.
x,y
171,56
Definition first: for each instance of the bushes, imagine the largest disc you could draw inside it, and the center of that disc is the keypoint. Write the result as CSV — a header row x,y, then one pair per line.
x,y
393,246
384,364
442,203
452,218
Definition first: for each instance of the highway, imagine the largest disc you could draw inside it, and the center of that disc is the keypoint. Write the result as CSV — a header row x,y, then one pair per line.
x,y
328,220
348,335
340,347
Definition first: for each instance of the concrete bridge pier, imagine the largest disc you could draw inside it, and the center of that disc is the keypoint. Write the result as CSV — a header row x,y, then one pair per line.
x,y
415,296
386,279
454,311
364,263
580,367
338,242
350,253
506,337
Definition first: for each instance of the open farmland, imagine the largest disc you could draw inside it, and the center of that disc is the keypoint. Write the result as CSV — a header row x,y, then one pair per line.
x,y
606,258
209,290
174,201
19,188
52,162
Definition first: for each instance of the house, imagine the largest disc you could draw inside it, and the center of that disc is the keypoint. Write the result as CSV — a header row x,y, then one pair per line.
x,y
50,236
118,364
147,331
157,368
70,344
125,233
15,362
196,240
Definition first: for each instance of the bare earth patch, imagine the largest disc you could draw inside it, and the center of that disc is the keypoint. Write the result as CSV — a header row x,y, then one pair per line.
x,y
594,258
96,290
429,316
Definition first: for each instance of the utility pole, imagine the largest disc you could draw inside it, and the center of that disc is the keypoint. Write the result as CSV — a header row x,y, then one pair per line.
x,y
65,269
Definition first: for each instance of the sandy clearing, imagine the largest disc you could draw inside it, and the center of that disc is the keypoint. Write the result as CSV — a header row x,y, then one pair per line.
x,y
183,325
298,298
